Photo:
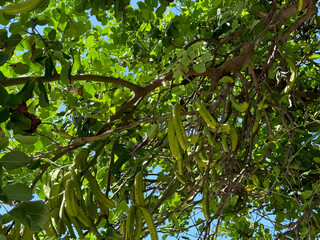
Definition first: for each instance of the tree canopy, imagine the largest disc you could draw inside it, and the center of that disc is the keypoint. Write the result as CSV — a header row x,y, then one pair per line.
x,y
172,118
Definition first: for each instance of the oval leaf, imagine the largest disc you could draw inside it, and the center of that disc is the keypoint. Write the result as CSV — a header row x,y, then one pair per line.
x,y
14,159
3,58
4,142
4,95
123,156
66,73
20,121
255,180
199,68
26,139
206,57
32,214
4,114
43,97
48,67
18,192
20,68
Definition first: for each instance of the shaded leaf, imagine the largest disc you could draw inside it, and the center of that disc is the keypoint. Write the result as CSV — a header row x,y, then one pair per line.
x,y
26,139
2,77
20,68
14,39
4,142
123,156
18,192
27,91
52,34
15,27
199,68
206,57
43,97
20,121
32,214
278,198
48,67
14,159
306,194
3,196
3,58
276,170
4,114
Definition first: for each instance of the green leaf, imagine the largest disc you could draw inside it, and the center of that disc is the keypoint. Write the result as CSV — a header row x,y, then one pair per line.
x,y
97,65
226,79
14,159
43,97
216,3
66,73
278,197
42,20
276,170
20,121
15,27
20,68
314,56
250,187
89,90
255,180
4,142
76,60
14,100
32,214
199,68
26,139
14,39
27,91
306,194
206,57
3,196
123,156
102,172
52,35
18,192
59,56
2,77
266,183
195,46
4,114
48,67
3,58
37,55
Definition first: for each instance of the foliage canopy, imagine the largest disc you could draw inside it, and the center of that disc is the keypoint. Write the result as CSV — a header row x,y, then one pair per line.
x,y
87,89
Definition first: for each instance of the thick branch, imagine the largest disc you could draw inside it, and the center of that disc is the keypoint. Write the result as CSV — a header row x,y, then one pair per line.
x,y
139,94
84,77
156,83
309,95
125,107
298,22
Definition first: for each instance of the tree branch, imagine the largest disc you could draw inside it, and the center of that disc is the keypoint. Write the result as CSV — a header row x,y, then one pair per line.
x,y
84,77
